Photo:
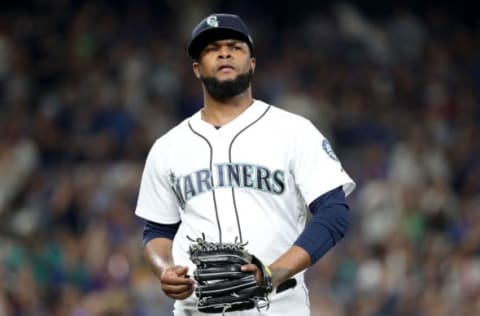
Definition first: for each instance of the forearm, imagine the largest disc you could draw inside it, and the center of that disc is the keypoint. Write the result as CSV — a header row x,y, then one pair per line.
x,y
174,279
158,254
296,259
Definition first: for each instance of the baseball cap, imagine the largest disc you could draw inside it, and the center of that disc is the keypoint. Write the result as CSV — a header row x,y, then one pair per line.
x,y
215,27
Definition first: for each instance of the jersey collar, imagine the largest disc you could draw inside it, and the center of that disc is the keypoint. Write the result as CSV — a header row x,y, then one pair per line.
x,y
252,113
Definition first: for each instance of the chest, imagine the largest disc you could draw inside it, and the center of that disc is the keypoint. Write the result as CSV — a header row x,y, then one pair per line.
x,y
253,150
245,159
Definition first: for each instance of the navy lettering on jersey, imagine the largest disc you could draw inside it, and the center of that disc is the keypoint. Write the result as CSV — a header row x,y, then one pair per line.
x,y
248,176
230,175
175,185
233,175
278,182
204,183
188,187
263,179
221,175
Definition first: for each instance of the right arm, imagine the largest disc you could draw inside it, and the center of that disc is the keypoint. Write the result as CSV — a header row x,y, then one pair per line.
x,y
159,207
174,280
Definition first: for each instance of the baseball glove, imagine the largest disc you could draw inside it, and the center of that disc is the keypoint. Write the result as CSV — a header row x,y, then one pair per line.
x,y
221,285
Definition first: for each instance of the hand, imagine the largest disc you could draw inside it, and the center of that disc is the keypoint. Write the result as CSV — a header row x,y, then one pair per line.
x,y
253,268
175,282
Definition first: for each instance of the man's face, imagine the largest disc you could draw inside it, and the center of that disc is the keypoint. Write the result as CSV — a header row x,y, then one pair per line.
x,y
225,68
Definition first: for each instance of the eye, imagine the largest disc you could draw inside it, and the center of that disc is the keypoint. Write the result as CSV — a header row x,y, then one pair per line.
x,y
236,47
210,48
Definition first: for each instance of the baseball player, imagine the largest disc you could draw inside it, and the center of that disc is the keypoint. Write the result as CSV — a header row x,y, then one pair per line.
x,y
240,170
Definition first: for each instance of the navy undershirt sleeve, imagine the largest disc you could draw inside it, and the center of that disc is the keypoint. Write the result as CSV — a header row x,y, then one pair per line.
x,y
153,230
329,222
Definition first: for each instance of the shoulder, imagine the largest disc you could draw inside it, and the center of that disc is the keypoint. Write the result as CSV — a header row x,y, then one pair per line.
x,y
283,114
285,118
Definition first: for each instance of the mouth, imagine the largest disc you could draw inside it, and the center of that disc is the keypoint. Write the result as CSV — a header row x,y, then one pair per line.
x,y
225,67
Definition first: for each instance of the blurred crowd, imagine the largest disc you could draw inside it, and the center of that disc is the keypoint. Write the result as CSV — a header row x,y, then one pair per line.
x,y
87,86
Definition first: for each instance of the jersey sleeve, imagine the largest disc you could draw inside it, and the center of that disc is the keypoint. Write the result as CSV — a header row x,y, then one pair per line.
x,y
315,166
156,201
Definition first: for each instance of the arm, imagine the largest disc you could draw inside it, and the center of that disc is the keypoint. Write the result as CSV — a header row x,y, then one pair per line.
x,y
158,254
290,263
326,227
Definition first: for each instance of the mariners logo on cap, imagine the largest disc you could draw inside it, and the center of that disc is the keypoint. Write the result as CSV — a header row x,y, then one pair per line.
x,y
212,21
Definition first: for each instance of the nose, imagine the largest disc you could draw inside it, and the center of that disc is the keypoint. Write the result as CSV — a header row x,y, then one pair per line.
x,y
224,52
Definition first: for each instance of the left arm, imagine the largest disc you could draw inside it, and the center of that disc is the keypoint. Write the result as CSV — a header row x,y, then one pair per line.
x,y
290,263
329,222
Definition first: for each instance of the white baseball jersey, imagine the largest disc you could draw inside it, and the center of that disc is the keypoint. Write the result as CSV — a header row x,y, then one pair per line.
x,y
249,181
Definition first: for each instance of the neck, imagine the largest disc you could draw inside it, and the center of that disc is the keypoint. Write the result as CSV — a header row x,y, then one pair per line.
x,y
219,113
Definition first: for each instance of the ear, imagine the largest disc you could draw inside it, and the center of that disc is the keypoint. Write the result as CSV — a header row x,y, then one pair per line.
x,y
253,64
196,71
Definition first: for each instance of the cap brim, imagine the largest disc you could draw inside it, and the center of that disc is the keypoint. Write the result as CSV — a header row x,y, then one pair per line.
x,y
197,44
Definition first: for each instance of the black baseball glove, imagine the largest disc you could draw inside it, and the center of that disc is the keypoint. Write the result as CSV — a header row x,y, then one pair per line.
x,y
221,285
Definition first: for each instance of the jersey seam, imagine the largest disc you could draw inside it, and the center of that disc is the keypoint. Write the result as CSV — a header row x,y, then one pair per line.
x,y
230,161
211,179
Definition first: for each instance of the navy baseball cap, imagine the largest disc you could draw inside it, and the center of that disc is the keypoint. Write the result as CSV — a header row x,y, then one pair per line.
x,y
216,27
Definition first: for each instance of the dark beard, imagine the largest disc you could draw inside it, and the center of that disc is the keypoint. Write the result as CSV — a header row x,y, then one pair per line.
x,y
224,90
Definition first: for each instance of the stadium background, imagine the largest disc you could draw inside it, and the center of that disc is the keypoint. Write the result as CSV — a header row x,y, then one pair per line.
x,y
86,86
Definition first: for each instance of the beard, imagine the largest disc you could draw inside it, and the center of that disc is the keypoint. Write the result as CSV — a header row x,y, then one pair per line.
x,y
226,89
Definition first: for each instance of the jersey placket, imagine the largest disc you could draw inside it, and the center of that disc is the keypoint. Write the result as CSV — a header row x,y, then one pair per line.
x,y
223,194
